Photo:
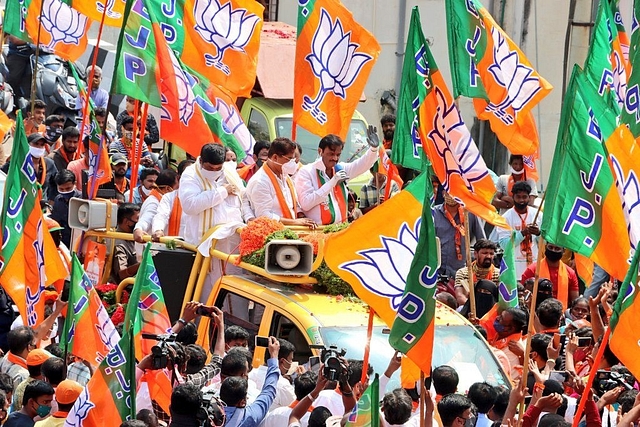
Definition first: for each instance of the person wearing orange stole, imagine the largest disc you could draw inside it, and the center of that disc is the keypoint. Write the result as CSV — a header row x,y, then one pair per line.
x,y
169,220
321,186
271,192
166,182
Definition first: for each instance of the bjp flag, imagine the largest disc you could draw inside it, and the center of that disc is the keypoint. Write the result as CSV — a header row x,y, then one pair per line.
x,y
113,10
334,56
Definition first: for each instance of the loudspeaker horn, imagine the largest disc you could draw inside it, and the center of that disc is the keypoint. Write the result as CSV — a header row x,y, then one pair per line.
x,y
288,257
92,214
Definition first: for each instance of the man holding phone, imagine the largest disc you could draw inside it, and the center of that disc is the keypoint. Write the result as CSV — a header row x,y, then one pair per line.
x,y
285,393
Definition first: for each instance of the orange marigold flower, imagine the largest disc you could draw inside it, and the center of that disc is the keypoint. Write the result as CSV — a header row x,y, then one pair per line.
x,y
253,236
314,238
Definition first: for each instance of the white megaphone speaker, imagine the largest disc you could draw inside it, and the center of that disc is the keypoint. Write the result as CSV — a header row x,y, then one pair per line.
x,y
91,214
288,257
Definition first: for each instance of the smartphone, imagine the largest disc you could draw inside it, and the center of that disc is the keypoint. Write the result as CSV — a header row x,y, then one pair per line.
x,y
262,341
584,341
427,383
204,310
560,376
314,363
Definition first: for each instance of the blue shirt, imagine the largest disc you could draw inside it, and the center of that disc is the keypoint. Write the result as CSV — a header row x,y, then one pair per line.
x,y
100,98
252,415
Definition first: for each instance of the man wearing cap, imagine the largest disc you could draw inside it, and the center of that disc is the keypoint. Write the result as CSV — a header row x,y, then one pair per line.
x,y
119,181
66,394
45,167
35,359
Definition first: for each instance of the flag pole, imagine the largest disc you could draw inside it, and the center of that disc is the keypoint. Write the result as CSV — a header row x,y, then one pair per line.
x,y
423,395
592,375
138,150
134,148
530,327
471,276
535,218
367,348
35,72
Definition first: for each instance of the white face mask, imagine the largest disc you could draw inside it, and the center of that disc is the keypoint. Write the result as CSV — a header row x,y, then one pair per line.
x,y
515,172
37,151
290,167
66,192
211,175
145,191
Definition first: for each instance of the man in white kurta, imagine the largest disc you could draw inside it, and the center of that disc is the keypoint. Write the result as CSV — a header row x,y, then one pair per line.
x,y
165,182
321,185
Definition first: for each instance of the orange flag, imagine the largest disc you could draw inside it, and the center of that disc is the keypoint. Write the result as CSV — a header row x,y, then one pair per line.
x,y
334,56
386,167
95,9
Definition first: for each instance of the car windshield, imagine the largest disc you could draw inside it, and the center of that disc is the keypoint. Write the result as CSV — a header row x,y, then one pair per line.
x,y
458,346
356,139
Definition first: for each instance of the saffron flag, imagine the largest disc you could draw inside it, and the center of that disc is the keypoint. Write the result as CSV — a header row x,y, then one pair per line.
x,y
366,413
26,242
5,125
53,24
334,56
377,265
530,165
414,326
508,286
388,169
99,166
582,206
407,148
584,269
631,111
486,65
624,321
605,65
94,10
189,119
88,331
454,155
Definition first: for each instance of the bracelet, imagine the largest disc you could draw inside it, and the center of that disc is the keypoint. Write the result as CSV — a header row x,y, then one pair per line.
x,y
311,397
348,394
184,322
552,361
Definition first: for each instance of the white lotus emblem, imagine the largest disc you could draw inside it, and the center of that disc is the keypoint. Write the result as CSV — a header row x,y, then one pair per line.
x,y
385,270
100,7
233,121
334,61
65,24
223,27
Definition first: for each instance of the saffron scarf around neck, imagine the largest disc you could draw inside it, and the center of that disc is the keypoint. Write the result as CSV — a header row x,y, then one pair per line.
x,y
175,217
287,212
563,280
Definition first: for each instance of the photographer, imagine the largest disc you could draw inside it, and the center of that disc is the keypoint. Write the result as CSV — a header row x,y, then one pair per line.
x,y
186,400
233,393
348,382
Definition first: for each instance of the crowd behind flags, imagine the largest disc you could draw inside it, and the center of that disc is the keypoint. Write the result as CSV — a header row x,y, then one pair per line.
x,y
591,206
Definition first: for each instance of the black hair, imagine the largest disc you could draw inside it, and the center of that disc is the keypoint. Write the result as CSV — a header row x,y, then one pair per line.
x,y
445,380
549,313
188,334
55,350
447,299
484,244
127,120
186,399
539,344
147,416
64,176
304,384
553,420
319,416
34,370
609,357
197,358
146,172
19,339
212,153
483,395
387,118
126,210
451,407
355,368
299,147
133,423
235,332
235,362
397,406
286,348
552,386
167,177
521,187
331,141
233,390
53,118
100,112
184,164
70,132
6,383
515,157
54,369
627,400
519,318
502,401
579,299
259,146
35,389
281,147
38,104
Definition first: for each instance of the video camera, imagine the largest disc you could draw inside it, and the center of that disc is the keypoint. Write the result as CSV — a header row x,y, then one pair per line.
x,y
160,352
334,369
608,380
211,411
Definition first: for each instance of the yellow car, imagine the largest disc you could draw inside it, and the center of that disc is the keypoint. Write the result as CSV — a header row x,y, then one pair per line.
x,y
305,318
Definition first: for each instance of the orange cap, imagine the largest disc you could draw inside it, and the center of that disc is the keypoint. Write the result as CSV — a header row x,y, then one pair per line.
x,y
52,224
37,357
67,392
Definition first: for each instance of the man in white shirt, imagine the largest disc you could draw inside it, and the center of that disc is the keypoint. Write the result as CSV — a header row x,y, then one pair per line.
x,y
285,393
170,218
271,191
303,385
166,182
321,186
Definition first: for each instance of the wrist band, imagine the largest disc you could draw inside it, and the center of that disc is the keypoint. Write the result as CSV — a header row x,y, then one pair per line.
x,y
184,322
311,397
552,361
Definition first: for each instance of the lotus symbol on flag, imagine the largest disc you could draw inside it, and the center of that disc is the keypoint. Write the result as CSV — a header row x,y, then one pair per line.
x,y
100,7
385,270
81,409
186,98
455,145
233,121
510,73
63,23
334,62
224,28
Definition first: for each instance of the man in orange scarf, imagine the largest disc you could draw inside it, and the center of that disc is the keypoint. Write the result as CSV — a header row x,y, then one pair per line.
x,y
169,220
166,182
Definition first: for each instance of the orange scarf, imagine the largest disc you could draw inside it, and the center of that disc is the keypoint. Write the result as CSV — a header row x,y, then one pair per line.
x,y
563,280
284,207
512,180
525,245
122,189
155,193
175,218
66,158
327,209
458,227
16,360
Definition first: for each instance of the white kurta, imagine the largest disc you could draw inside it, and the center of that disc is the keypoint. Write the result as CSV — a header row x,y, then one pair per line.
x,y
514,221
161,220
147,212
263,198
311,196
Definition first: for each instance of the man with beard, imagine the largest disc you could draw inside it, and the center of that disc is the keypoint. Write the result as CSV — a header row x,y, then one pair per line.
x,y
68,152
119,181
521,218
482,268
517,173
563,277
388,123
260,156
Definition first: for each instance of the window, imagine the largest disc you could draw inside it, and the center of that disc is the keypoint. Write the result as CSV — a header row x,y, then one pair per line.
x,y
283,327
258,126
239,311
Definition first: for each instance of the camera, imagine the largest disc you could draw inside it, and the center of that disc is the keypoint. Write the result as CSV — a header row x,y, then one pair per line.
x,y
211,411
608,380
160,356
333,368
204,310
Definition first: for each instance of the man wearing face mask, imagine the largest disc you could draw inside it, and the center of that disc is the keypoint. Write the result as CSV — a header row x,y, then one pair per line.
x,y
125,261
124,145
517,173
563,277
521,219
66,182
321,186
271,192
260,155
164,184
170,218
285,393
68,152
482,268
148,179
45,167
36,402
53,130
151,134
